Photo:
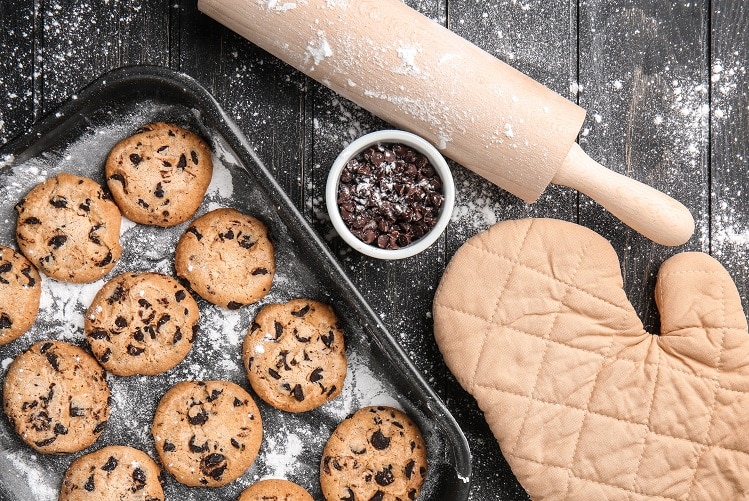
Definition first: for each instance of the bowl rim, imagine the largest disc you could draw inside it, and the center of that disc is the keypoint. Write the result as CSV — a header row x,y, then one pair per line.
x,y
391,136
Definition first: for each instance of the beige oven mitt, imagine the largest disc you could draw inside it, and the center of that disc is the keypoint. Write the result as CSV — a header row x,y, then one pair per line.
x,y
532,319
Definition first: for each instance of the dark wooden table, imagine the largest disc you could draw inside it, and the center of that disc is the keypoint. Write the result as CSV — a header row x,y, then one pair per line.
x,y
664,83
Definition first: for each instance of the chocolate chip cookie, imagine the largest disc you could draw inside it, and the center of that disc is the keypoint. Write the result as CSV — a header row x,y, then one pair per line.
x,y
115,472
69,228
207,433
294,355
160,174
20,290
275,489
141,323
378,454
227,258
56,397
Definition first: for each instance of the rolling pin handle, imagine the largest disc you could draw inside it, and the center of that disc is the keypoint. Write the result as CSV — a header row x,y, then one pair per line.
x,y
645,209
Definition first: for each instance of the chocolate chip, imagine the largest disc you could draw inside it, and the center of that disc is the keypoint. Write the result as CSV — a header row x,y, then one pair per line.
x,y
177,335
57,241
169,447
40,421
27,273
163,320
298,393
100,427
138,335
379,441
58,201
235,443
213,465
385,476
93,236
316,375
6,267
99,334
89,485
5,321
412,494
162,148
104,358
303,311
378,496
300,338
245,241
111,464
143,303
180,295
107,259
134,351
46,442
120,178
410,469
197,448
194,157
194,231
215,393
159,192
198,419
85,206
120,322
143,203
233,305
274,374
32,220
259,271
182,163
349,496
135,159
139,479
328,338
278,328
76,411
53,360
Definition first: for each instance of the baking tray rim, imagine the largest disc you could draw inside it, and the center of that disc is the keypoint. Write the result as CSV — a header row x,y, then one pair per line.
x,y
196,95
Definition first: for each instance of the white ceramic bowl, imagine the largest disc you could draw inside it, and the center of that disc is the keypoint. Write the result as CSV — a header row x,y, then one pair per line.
x,y
391,137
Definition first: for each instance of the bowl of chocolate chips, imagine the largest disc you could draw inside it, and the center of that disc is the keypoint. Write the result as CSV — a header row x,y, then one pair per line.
x,y
390,194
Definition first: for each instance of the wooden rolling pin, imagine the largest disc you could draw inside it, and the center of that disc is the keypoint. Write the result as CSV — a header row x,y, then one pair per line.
x,y
420,76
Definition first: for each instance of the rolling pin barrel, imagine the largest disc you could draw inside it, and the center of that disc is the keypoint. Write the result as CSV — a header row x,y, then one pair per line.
x,y
418,75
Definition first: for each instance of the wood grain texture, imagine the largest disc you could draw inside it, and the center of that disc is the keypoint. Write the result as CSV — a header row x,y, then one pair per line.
x,y
664,84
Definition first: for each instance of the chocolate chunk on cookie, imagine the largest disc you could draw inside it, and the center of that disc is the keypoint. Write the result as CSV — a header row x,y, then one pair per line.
x,y
207,433
56,397
115,472
69,228
227,258
294,355
160,174
20,290
142,323
275,489
377,453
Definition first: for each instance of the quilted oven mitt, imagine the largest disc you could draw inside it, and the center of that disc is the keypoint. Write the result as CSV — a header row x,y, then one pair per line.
x,y
532,319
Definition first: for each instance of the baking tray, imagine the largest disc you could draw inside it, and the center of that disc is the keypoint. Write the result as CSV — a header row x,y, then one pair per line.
x,y
77,139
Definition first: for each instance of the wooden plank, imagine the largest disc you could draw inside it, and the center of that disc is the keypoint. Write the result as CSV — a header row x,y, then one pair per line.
x,y
538,38
729,102
82,40
265,96
17,68
644,82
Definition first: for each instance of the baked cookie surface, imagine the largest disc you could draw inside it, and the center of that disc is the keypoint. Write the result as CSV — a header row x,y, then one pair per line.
x,y
69,228
378,453
207,433
275,489
141,323
115,472
295,356
20,290
160,174
227,258
56,397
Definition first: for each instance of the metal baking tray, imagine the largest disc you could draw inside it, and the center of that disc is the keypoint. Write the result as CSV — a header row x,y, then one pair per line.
x,y
77,139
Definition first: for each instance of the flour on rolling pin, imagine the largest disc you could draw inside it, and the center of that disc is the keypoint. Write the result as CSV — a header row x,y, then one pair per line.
x,y
420,76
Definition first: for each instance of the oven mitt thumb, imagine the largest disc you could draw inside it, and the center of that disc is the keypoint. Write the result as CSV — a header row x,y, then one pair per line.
x,y
532,319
